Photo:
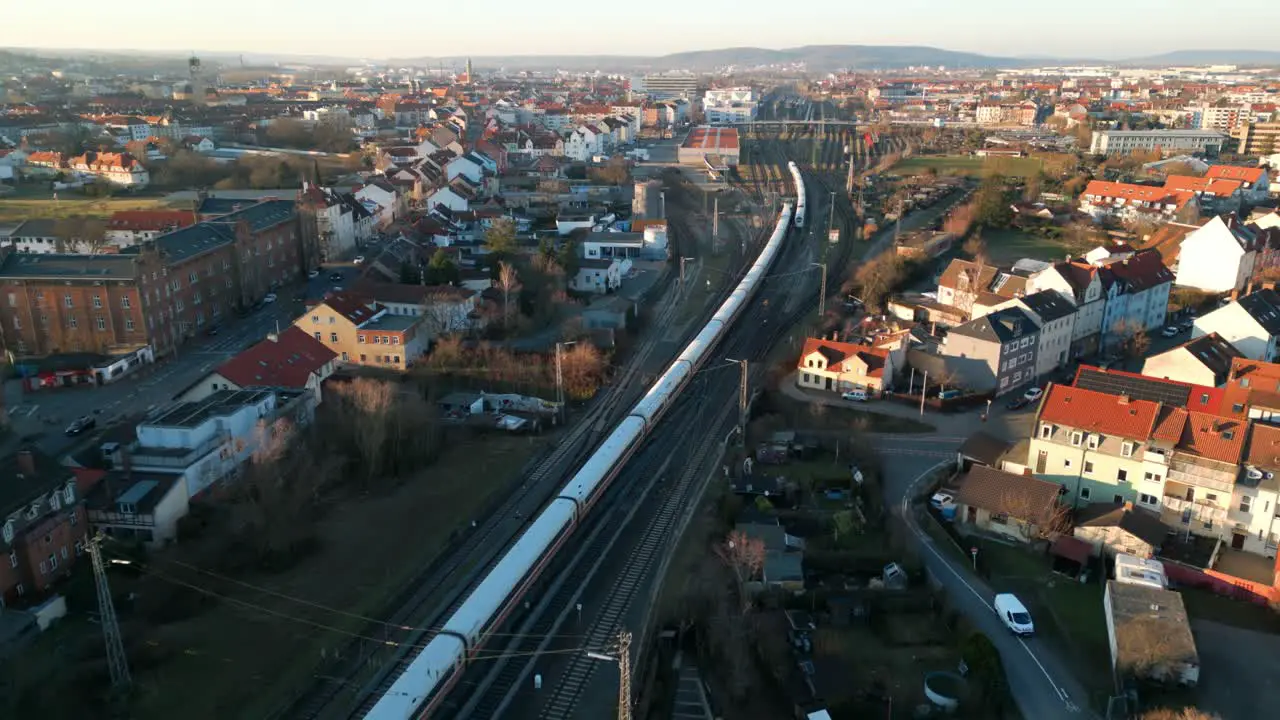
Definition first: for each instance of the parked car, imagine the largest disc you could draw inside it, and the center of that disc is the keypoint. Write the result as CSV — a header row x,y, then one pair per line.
x,y
1014,614
359,260
1018,403
942,499
949,394
1170,331
81,425
313,274
269,298
1033,394
855,395
1187,323
335,276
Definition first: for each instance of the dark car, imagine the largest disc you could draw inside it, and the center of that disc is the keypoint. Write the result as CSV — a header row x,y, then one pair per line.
x,y
335,277
1018,403
80,426
212,330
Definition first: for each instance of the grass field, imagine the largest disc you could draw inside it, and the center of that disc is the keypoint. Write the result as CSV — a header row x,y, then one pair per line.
x,y
1010,245
964,165
14,210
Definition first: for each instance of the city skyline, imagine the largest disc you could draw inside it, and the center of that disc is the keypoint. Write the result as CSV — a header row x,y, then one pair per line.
x,y
511,28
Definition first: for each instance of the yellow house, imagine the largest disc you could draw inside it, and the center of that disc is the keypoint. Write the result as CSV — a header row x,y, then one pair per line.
x,y
840,367
364,333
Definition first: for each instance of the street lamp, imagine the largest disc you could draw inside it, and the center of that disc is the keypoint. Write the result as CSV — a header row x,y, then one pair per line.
x,y
683,260
560,377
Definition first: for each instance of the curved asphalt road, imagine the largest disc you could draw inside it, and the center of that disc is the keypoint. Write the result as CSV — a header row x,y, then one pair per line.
x,y
1041,682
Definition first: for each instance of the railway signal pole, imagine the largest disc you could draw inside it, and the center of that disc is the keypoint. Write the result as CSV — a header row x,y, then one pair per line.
x,y
117,661
822,291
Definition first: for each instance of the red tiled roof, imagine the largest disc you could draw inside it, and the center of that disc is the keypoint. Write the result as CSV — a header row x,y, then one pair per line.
x,y
1136,193
1218,187
350,306
287,361
150,220
1214,437
1232,172
1251,382
1264,446
1099,412
839,353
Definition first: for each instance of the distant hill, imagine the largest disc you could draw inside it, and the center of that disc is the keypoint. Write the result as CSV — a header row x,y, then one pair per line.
x,y
1211,57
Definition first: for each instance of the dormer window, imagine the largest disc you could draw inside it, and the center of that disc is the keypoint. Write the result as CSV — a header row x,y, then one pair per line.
x,y
33,511
55,502
69,492
128,509
1076,438
1094,441
1127,447
8,531
1046,431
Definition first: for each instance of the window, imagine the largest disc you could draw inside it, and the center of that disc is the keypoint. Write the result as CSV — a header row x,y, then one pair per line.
x,y
17,323
317,336
1186,517
1066,462
75,518
360,339
1237,407
1046,431
13,300
66,300
1076,438
1208,524
331,320
395,359
64,552
344,357
1126,448
192,276
1088,466
365,358
97,301
124,302
315,319
1211,497
22,590
395,339
55,501
1084,493
73,322
1122,475
1146,499
1246,503
13,558
1000,518
128,324
102,324
1151,477
1117,499
1094,441
333,337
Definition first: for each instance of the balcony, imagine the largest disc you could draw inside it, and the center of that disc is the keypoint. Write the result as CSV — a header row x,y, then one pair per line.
x,y
1221,478
175,458
117,519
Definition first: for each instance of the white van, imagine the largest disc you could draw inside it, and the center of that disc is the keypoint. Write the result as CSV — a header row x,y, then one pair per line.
x,y
856,395
1014,614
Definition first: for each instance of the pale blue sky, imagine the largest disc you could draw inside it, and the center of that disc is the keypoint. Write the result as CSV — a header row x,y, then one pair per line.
x,y
412,28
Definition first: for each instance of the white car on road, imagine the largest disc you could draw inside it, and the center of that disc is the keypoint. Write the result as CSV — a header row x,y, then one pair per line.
x,y
269,298
1014,614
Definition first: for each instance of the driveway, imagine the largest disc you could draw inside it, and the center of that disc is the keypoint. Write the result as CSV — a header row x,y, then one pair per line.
x,y
1240,671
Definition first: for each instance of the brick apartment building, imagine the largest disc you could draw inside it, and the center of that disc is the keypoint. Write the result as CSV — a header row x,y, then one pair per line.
x,y
159,293
44,524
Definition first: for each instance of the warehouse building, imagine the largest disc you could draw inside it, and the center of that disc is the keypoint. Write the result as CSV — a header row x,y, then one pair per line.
x,y
1170,142
704,141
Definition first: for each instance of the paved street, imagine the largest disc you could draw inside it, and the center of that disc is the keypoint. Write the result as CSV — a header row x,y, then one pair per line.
x,y
152,385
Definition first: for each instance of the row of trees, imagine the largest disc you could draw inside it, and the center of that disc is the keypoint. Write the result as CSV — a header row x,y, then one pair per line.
x,y
186,169
583,368
324,136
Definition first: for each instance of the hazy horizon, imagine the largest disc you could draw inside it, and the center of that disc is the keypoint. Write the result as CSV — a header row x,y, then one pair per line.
x,y
508,27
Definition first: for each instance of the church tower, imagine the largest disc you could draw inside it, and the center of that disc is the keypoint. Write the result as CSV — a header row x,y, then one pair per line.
x,y
470,78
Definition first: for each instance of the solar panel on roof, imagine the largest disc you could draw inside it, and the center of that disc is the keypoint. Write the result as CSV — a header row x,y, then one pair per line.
x,y
1137,388
135,494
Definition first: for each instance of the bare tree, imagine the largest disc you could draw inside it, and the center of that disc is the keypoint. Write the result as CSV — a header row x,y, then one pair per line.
x,y
1036,521
1132,337
744,555
878,277
369,403
508,280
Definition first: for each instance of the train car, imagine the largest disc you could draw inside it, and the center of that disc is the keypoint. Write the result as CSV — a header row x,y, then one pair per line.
x,y
419,690
800,193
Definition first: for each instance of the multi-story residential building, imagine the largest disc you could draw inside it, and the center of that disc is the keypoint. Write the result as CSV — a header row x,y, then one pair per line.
x,y
1094,444
996,352
1219,256
1220,118
839,367
665,86
1205,360
159,294
116,168
363,333
1213,195
127,228
44,524
1125,202
1255,181
1200,456
1251,324
1123,142
341,222
1135,288
1055,315
290,360
1257,138
1253,390
1079,282
1254,513
206,441
138,506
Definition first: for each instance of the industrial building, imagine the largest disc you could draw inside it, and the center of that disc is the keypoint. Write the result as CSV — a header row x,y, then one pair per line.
x,y
1123,142
666,86
730,105
705,145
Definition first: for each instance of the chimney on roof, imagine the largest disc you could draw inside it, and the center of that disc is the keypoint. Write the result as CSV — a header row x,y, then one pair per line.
x,y
27,463
1124,399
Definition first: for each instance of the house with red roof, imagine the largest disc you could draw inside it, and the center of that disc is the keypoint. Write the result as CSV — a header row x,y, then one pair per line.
x,y
1255,181
290,360
839,367
1127,202
127,228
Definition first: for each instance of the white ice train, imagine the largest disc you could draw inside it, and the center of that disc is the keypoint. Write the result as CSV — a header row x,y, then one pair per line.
x,y
795,175
418,691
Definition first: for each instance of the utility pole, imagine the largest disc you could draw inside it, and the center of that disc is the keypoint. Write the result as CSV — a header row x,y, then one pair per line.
x,y
897,226
624,673
742,399
117,661
831,215
662,205
715,222
822,290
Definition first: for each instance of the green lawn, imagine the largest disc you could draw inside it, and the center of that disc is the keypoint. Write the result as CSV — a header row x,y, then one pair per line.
x,y
1008,245
19,209
965,165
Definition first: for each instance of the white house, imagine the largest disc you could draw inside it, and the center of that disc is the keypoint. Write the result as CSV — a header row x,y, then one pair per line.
x,y
1204,361
382,199
139,506
449,198
1218,257
1251,324
597,276
1080,283
1136,288
335,219
116,168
